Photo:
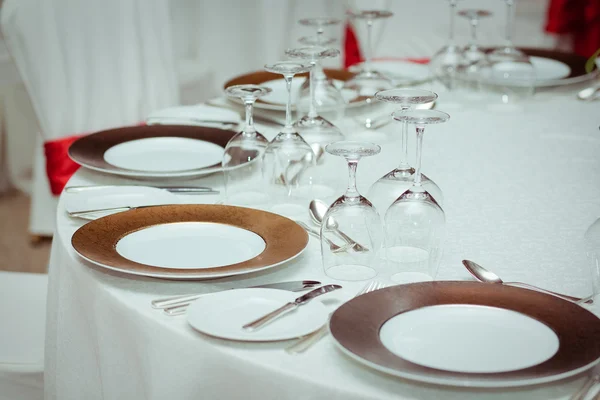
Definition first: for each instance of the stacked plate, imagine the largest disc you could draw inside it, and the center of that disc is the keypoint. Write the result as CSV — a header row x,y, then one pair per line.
x,y
468,334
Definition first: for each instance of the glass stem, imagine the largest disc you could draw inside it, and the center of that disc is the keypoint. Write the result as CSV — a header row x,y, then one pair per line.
x,y
509,22
312,113
474,23
452,14
420,131
249,116
351,192
404,142
288,106
368,48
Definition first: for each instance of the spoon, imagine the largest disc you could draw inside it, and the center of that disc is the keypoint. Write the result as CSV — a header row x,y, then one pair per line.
x,y
589,93
317,210
332,246
483,275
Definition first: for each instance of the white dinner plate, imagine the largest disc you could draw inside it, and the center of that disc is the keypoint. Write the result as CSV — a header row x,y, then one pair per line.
x,y
468,334
153,151
190,241
224,313
401,72
547,69
116,196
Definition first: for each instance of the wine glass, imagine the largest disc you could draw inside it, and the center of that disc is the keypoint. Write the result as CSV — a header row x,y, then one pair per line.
x,y
448,60
592,244
508,51
368,81
312,127
356,217
473,53
288,155
415,222
243,159
390,186
327,97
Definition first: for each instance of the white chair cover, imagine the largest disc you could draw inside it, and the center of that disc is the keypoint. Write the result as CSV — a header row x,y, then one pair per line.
x,y
88,66
23,316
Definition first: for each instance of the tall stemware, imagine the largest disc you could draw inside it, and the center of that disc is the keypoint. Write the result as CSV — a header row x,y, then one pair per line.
x,y
288,154
415,222
473,53
356,217
243,158
447,61
390,186
508,51
313,127
368,80
327,97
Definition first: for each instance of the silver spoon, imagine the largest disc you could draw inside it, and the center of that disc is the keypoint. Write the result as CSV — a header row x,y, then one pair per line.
x,y
317,210
589,93
332,246
483,275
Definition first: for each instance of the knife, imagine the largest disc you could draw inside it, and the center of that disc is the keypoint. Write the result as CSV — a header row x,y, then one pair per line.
x,y
292,305
172,189
294,286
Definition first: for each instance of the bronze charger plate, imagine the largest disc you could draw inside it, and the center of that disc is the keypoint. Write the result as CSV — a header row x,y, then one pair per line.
x,y
356,325
97,241
89,150
260,77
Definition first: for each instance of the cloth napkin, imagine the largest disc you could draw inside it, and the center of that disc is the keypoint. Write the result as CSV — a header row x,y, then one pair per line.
x,y
578,18
192,115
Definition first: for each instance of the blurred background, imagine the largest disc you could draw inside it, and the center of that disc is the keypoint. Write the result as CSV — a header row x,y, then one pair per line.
x,y
213,41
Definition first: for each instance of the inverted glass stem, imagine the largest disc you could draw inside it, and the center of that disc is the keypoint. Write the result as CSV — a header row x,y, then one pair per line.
x,y
509,22
420,132
249,116
288,106
312,113
404,143
452,15
368,49
351,192
474,23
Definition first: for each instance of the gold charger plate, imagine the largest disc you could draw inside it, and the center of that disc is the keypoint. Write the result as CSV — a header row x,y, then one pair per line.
x,y
89,150
97,240
260,77
356,326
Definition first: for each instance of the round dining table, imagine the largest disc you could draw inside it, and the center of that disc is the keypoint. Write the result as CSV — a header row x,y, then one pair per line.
x,y
521,185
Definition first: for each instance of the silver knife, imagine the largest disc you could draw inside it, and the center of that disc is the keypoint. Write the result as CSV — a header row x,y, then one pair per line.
x,y
172,189
262,321
294,286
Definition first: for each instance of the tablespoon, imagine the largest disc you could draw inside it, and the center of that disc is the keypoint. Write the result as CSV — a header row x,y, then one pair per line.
x,y
483,275
589,93
332,246
317,210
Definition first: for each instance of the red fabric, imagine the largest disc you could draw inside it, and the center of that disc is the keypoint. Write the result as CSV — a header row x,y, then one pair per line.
x,y
352,53
59,166
580,19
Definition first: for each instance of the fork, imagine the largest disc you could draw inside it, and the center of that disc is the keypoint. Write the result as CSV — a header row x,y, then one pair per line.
x,y
309,340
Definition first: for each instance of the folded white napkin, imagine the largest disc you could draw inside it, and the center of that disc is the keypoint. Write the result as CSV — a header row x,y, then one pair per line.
x,y
199,114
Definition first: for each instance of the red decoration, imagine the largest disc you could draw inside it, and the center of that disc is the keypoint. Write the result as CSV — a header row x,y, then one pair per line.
x,y
579,18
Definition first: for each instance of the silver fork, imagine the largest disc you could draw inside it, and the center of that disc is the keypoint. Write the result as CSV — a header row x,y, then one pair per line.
x,y
309,340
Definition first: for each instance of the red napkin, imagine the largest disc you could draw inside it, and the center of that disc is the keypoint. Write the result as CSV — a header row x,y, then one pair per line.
x,y
579,18
59,166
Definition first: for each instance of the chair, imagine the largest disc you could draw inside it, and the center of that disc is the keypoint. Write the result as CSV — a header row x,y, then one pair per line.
x,y
23,316
87,67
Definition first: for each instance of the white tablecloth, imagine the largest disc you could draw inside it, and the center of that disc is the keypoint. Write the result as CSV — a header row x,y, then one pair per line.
x,y
520,188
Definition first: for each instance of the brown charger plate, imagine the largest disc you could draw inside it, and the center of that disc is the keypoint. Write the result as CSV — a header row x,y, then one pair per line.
x,y
97,241
355,326
89,150
260,77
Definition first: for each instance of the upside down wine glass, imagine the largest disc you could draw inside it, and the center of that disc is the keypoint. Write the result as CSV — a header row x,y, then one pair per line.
x,y
356,217
390,186
312,127
243,159
288,155
415,222
473,53
447,61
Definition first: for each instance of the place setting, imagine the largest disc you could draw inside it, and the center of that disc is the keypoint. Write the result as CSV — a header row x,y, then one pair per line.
x,y
376,296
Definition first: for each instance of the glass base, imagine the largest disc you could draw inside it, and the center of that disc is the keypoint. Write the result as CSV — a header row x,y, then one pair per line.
x,y
351,272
